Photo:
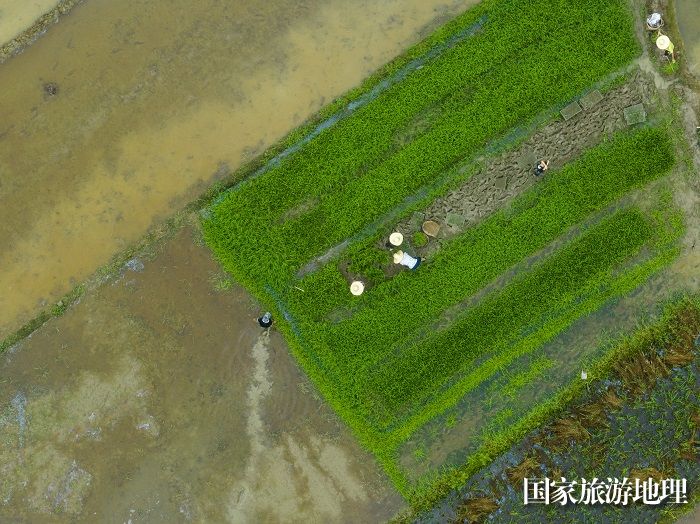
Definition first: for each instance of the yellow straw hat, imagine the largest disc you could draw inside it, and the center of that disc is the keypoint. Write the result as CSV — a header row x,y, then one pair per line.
x,y
396,239
398,256
357,287
663,42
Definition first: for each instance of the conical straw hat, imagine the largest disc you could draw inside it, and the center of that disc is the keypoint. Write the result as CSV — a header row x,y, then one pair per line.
x,y
396,239
357,287
397,257
663,42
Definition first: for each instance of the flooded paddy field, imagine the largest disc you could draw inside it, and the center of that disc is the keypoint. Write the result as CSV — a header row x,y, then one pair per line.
x,y
688,15
158,399
17,16
125,111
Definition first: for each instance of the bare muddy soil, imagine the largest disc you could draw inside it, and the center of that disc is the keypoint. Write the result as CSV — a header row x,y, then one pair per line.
x,y
155,101
159,399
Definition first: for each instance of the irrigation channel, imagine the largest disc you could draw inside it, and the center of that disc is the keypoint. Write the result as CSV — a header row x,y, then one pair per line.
x,y
150,107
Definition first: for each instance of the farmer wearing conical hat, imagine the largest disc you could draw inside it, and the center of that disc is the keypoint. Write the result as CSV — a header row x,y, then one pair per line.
x,y
407,260
664,43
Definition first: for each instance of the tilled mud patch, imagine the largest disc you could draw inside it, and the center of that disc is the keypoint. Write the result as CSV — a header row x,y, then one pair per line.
x,y
508,175
159,399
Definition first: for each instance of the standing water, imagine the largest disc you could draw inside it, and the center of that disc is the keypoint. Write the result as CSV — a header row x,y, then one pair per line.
x,y
125,111
688,15
18,15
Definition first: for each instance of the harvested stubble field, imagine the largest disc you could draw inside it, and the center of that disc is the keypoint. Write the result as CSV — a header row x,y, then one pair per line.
x,y
411,348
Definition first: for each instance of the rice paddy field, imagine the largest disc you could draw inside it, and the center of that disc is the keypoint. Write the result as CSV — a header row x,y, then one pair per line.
x,y
439,370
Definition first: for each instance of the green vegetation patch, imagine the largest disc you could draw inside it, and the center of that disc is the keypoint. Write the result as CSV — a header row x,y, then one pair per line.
x,y
396,312
411,347
505,74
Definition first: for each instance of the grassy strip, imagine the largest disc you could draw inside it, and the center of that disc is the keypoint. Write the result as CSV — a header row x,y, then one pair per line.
x,y
356,172
650,335
467,263
56,310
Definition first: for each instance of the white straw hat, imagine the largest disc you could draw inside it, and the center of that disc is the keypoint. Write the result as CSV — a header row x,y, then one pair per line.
x,y
357,287
396,239
663,42
398,256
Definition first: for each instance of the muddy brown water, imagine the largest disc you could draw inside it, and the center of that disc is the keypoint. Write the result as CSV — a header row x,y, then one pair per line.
x,y
688,16
18,15
154,101
158,399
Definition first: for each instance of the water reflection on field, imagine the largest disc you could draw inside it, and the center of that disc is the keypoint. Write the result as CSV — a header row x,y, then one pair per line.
x,y
154,101
158,399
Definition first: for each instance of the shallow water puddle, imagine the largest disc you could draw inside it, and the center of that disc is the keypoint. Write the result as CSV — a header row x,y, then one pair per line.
x,y
157,398
688,15
152,106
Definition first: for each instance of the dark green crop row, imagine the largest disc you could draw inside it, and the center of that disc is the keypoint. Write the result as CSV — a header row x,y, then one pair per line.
x,y
517,66
393,310
501,319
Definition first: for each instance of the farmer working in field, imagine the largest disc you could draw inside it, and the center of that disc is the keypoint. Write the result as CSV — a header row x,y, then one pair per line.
x,y
265,321
541,167
406,260
664,43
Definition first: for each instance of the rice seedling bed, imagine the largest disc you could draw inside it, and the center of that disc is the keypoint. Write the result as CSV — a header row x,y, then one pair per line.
x,y
392,361
356,171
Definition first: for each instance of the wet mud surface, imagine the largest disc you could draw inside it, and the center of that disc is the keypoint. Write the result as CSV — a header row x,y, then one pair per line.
x,y
22,22
152,106
688,16
159,399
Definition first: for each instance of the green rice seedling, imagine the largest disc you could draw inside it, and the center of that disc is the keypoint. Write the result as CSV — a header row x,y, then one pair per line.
x,y
515,383
355,169
419,239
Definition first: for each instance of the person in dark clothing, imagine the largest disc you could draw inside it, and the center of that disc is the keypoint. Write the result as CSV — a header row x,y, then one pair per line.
x,y
541,167
265,321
